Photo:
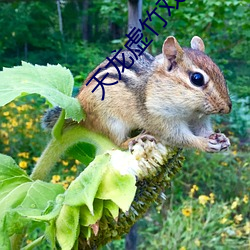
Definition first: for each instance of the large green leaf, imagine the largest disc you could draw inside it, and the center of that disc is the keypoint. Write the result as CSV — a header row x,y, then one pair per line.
x,y
53,82
118,188
67,226
83,189
20,197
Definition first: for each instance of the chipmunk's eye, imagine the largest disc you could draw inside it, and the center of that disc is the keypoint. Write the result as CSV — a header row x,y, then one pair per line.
x,y
197,79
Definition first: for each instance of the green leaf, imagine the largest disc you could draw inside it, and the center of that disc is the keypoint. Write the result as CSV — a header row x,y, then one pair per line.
x,y
118,188
67,226
6,186
86,218
53,82
83,152
112,208
9,168
39,194
83,189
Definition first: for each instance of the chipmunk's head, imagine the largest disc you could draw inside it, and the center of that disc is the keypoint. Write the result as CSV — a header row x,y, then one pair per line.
x,y
195,76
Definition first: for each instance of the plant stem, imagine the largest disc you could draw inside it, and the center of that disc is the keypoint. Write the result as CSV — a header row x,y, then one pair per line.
x,y
57,147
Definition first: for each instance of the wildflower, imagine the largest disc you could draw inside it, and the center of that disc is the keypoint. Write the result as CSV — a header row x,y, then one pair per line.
x,y
224,164
14,123
77,162
55,178
197,242
234,152
238,218
235,203
6,113
203,199
73,168
223,220
193,190
65,163
186,211
4,134
12,105
24,155
23,164
183,248
211,195
70,178
247,227
35,159
245,199
65,185
29,124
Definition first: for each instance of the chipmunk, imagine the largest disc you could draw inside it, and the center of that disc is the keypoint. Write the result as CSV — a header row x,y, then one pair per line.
x,y
170,97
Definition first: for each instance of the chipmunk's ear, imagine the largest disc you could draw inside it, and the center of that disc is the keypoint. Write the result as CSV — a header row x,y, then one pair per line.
x,y
171,50
197,43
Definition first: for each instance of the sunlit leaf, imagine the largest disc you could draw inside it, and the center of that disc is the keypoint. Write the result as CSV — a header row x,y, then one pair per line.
x,y
53,82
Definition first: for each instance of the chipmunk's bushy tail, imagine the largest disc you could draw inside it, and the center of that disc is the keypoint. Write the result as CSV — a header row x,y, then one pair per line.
x,y
50,118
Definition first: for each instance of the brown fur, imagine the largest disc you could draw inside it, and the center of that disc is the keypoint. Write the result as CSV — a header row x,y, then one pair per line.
x,y
156,95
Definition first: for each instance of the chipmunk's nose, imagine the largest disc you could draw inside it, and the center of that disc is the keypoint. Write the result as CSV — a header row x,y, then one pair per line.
x,y
227,108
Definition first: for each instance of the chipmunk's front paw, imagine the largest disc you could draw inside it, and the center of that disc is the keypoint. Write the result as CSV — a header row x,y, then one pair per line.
x,y
141,139
218,142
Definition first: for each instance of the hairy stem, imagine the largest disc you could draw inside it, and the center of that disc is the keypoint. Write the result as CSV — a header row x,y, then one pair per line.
x,y
57,146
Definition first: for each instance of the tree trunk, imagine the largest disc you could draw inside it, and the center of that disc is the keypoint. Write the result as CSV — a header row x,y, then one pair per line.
x,y
85,21
134,14
59,16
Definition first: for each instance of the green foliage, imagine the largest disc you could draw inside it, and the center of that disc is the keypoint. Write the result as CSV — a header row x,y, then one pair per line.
x,y
200,223
52,82
30,32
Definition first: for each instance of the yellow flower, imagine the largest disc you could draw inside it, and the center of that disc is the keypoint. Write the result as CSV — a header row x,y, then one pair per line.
x,y
73,168
238,218
197,242
234,152
187,211
245,199
23,164
65,185
12,105
77,162
70,178
211,195
55,178
223,221
182,248
193,190
24,155
224,164
29,124
6,113
203,199
4,134
14,123
35,159
235,203
247,227
65,163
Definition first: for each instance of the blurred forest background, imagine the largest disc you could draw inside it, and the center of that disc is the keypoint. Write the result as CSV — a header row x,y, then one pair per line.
x,y
208,204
